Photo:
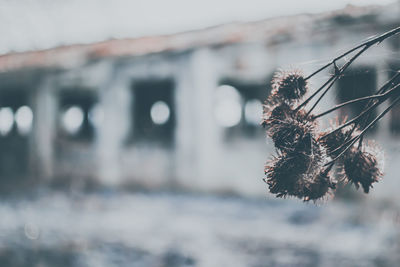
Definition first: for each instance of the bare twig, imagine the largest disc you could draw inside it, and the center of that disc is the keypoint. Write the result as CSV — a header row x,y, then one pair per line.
x,y
381,98
337,76
383,88
368,43
352,141
361,99
365,45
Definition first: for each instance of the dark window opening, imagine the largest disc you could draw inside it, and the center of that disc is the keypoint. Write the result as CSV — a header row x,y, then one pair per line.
x,y
76,108
153,111
355,83
16,120
394,122
395,42
248,106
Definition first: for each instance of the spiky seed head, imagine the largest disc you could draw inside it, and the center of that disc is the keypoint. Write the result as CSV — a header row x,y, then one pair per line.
x,y
361,168
285,126
332,141
280,112
275,113
296,173
283,173
289,86
288,134
319,186
316,181
291,133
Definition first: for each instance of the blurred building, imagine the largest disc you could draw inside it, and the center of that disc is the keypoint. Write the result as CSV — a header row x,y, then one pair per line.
x,y
177,111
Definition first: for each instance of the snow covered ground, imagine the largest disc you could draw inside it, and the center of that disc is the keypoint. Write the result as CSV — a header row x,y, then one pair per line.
x,y
166,229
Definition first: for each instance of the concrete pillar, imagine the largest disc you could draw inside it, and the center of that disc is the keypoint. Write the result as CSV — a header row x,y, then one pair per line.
x,y
197,135
114,100
44,107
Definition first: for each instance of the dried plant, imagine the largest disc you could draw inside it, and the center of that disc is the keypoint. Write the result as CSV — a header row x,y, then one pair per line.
x,y
306,154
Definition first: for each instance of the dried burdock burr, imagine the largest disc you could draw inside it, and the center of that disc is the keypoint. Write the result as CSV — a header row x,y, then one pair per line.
x,y
283,173
289,85
297,175
289,134
277,113
274,113
333,141
361,168
287,127
319,186
299,171
306,154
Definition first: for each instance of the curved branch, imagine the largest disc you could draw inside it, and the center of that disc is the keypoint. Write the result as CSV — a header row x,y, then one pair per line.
x,y
368,43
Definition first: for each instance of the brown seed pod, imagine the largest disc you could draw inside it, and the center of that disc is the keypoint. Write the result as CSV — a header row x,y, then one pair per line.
x,y
290,134
361,168
298,173
319,186
335,140
283,173
286,127
275,113
289,86
293,134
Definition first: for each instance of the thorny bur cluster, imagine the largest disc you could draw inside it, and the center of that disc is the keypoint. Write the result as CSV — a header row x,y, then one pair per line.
x,y
301,167
311,161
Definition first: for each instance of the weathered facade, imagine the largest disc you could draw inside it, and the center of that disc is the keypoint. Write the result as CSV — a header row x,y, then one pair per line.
x,y
95,116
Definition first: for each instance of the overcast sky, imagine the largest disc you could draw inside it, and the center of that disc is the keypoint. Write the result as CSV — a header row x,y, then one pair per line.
x,y
39,24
